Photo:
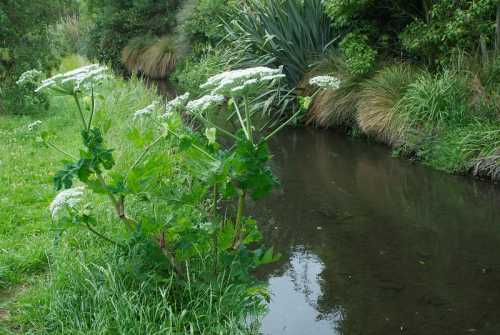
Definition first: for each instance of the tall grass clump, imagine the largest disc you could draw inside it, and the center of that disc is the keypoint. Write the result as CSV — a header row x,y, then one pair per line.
x,y
292,33
334,107
150,56
126,292
377,112
434,101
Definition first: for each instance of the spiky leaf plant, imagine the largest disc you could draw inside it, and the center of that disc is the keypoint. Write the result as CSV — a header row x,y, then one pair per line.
x,y
293,33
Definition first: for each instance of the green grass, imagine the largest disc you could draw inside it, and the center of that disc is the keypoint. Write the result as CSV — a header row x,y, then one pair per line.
x,y
72,283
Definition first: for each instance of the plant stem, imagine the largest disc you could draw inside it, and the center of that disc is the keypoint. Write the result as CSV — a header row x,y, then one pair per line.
x,y
240,118
75,96
283,125
93,108
248,120
105,238
210,123
53,146
194,146
143,154
239,217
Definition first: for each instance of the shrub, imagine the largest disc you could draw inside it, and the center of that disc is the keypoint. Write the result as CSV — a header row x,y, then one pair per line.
x,y
358,55
377,112
205,24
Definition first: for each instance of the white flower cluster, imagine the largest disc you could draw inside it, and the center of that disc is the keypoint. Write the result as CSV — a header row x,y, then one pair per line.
x,y
205,102
69,198
239,81
31,76
325,82
146,111
76,80
176,104
34,125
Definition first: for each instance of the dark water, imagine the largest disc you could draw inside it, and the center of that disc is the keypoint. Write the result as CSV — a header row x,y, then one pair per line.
x,y
376,245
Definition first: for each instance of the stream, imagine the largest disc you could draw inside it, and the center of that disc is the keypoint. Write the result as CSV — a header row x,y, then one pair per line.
x,y
376,245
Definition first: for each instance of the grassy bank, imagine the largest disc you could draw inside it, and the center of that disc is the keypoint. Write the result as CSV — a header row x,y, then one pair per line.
x,y
62,279
447,120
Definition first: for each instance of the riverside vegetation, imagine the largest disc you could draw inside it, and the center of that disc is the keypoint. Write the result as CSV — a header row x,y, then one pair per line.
x,y
148,233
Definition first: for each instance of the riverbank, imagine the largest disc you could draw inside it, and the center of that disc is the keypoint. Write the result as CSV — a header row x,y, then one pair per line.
x,y
447,120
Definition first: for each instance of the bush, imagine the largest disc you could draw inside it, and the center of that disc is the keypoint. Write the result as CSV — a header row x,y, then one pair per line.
x,y
205,25
358,55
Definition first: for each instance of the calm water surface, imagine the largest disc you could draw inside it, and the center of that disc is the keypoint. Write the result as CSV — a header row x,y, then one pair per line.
x,y
376,245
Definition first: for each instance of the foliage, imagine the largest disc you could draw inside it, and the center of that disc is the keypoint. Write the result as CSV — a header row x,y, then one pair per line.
x,y
25,44
290,33
117,22
358,55
451,25
206,24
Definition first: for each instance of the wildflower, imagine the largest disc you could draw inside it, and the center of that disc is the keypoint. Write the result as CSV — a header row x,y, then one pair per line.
x,y
205,102
31,76
325,82
76,80
238,81
146,111
174,105
34,125
69,198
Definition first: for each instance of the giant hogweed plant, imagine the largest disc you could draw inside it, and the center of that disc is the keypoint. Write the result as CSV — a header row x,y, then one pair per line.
x,y
201,174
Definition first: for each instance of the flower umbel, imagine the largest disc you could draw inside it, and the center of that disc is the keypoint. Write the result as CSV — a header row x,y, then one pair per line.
x,y
69,198
31,76
176,104
239,81
205,102
34,125
146,111
325,82
76,80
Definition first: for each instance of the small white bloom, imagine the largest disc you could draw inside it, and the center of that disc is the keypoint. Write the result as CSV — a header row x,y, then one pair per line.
x,y
34,125
69,198
226,82
205,102
176,104
146,111
31,76
76,80
325,82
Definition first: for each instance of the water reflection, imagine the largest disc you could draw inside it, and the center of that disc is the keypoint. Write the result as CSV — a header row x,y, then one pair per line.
x,y
377,245
295,298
